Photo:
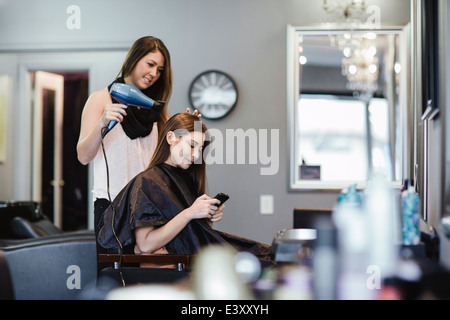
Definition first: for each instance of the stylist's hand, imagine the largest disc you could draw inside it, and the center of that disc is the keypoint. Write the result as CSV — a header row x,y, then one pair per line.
x,y
114,112
195,113
203,207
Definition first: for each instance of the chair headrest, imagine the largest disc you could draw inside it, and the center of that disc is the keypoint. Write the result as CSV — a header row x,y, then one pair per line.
x,y
23,228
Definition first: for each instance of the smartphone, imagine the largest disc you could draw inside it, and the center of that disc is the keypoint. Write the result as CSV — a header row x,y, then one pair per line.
x,y
222,197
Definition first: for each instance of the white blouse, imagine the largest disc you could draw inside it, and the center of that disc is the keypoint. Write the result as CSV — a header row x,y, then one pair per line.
x,y
126,158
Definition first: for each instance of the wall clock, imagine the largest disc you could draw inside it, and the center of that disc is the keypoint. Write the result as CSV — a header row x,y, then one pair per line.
x,y
213,93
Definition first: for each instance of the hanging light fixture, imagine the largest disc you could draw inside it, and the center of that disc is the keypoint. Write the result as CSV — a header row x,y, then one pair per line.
x,y
345,8
361,68
360,62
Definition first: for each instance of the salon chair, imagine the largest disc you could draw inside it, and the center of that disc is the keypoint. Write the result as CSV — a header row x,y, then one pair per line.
x,y
6,292
51,267
24,214
25,229
40,257
126,268
39,260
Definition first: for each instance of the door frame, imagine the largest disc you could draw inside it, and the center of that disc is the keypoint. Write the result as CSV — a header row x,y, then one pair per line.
x,y
102,67
45,80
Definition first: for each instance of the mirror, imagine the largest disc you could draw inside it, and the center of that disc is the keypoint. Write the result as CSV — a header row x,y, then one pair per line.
x,y
347,100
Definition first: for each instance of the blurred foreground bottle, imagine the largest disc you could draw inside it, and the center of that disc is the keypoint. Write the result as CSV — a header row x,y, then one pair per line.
x,y
352,234
215,276
382,207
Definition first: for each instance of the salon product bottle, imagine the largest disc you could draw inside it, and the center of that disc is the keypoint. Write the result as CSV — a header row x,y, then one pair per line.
x,y
295,280
411,231
215,277
382,207
353,195
351,223
350,194
406,184
325,261
342,195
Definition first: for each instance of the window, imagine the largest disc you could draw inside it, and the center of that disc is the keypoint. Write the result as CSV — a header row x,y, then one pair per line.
x,y
338,145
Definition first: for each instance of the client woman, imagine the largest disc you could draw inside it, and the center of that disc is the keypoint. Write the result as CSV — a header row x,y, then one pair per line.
x,y
165,209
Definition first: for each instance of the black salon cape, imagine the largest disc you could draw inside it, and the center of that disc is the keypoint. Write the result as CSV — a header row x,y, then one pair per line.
x,y
153,198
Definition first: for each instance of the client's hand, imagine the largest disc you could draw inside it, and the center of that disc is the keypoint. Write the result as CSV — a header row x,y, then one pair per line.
x,y
217,216
203,207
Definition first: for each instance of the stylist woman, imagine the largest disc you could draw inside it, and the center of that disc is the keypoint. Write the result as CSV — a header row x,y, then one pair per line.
x,y
129,146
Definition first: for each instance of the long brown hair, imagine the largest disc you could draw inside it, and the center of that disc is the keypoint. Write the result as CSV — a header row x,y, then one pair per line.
x,y
161,89
179,123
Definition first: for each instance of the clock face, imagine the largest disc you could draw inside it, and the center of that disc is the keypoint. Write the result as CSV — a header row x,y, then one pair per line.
x,y
213,93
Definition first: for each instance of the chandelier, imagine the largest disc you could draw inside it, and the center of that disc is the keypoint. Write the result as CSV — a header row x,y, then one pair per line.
x,y
360,63
345,8
361,67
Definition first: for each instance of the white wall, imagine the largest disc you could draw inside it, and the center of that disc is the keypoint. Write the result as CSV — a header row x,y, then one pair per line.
x,y
245,38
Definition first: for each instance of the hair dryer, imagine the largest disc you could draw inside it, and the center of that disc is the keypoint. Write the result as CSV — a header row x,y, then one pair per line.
x,y
129,95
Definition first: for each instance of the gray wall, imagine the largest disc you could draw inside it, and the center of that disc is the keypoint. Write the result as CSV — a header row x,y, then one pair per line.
x,y
445,120
245,38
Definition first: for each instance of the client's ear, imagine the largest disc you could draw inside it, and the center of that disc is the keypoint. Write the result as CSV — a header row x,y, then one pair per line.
x,y
170,137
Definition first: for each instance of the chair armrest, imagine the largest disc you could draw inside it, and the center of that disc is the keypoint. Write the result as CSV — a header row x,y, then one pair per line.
x,y
158,259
